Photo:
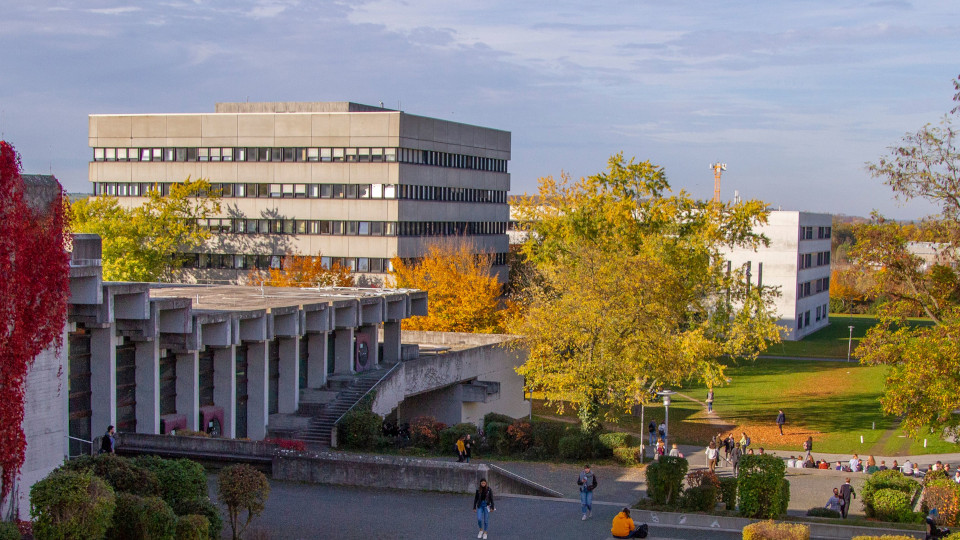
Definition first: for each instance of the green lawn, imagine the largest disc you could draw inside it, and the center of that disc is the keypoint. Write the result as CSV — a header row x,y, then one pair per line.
x,y
831,341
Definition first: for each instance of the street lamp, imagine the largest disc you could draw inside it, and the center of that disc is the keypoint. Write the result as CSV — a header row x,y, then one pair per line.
x,y
849,343
665,394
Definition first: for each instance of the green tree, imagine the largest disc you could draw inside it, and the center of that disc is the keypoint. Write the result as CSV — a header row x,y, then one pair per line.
x,y
146,242
923,385
242,489
631,291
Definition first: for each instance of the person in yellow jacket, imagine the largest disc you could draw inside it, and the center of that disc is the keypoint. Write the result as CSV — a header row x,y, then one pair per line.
x,y
623,526
461,449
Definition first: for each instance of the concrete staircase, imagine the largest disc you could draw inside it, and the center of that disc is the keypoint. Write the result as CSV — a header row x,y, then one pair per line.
x,y
350,390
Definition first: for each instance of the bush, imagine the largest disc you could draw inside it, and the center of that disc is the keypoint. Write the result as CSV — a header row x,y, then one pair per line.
x,y
889,537
769,530
242,489
180,479
629,455
496,417
944,495
700,498
517,438
359,430
728,492
536,453
616,440
450,435
547,435
495,431
202,507
934,475
820,511
68,505
760,486
122,474
892,505
193,527
192,433
291,444
9,531
579,445
890,479
665,479
784,496
142,518
425,431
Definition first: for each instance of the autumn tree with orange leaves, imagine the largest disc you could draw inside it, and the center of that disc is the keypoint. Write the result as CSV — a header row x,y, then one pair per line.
x,y
463,292
303,271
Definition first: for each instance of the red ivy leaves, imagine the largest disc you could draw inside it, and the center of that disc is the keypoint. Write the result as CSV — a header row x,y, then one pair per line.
x,y
34,288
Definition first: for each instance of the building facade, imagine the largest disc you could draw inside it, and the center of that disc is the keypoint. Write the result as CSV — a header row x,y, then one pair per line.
x,y
797,263
356,184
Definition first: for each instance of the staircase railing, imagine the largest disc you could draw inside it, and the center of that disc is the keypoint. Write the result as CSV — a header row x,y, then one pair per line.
x,y
333,431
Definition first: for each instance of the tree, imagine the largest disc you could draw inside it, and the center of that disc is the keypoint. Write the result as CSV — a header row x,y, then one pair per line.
x,y
631,291
303,271
923,385
242,489
147,242
34,287
462,290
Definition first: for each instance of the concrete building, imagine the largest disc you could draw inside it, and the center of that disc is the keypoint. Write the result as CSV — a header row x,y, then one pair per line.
x,y
797,262
358,184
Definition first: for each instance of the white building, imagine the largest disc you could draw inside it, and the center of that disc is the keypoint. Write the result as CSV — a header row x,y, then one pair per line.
x,y
797,262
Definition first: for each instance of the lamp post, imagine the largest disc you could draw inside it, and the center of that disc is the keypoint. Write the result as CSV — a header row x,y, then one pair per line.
x,y
849,343
665,394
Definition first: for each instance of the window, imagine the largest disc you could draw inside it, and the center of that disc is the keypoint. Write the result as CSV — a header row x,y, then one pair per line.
x,y
363,228
313,154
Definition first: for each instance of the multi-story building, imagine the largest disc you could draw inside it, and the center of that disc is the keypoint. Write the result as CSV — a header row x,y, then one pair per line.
x,y
354,183
797,262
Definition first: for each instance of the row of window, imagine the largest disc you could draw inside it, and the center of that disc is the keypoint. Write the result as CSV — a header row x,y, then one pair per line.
x,y
803,319
318,191
352,228
303,155
230,261
806,233
810,260
809,288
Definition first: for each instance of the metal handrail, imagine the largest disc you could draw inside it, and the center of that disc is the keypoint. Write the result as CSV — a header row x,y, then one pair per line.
x,y
385,375
69,456
524,479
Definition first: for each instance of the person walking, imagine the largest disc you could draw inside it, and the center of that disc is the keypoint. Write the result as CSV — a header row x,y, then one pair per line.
x,y
652,428
587,482
846,492
467,443
623,526
675,452
662,431
735,455
744,443
108,444
712,454
808,445
483,504
461,450
710,400
781,420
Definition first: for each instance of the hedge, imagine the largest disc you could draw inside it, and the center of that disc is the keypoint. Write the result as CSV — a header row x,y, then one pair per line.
x,y
180,479
69,505
769,530
892,505
629,455
890,479
547,435
142,518
193,527
359,430
495,431
122,474
202,507
496,417
9,531
665,479
944,495
887,537
728,492
616,439
820,511
762,488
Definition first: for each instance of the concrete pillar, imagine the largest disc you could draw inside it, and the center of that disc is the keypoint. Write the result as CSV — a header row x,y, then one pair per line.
x,y
316,360
343,351
288,391
188,388
391,342
370,332
257,364
225,387
148,387
103,379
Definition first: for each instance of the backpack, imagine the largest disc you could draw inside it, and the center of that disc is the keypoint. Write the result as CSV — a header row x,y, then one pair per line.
x,y
748,441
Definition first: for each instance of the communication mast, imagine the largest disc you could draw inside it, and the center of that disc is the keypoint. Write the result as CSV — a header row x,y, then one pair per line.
x,y
718,169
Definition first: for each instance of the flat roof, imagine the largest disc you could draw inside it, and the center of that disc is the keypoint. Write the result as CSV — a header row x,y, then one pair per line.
x,y
246,298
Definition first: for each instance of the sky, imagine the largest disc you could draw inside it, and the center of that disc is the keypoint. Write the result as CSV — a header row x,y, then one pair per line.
x,y
794,96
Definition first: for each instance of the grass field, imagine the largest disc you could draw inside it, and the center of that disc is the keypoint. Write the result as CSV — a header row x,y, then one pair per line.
x,y
834,402
832,341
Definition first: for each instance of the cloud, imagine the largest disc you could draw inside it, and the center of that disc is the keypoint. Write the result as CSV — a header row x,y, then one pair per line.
x,y
120,10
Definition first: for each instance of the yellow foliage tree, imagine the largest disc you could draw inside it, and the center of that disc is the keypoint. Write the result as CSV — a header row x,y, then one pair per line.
x,y
303,271
463,292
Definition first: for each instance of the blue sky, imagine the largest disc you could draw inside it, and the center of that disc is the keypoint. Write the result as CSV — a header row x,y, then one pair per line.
x,y
795,96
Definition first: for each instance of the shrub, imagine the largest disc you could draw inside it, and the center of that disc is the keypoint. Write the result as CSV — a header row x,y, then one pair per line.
x,y
629,455
291,444
518,437
944,495
425,431
450,435
889,537
769,530
193,527
700,498
820,511
728,492
579,445
934,475
142,518
784,496
202,507
359,430
180,479
665,479
122,474
9,531
760,486
191,433
495,431
496,417
892,505
71,505
242,489
548,435
890,479
616,440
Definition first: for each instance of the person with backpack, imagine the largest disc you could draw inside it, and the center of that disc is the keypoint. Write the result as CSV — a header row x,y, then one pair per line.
x,y
652,428
623,526
587,482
